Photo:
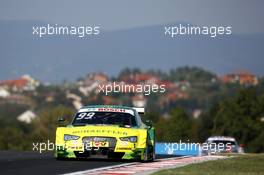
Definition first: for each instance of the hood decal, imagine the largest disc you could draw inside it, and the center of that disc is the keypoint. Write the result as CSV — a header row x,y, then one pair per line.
x,y
102,131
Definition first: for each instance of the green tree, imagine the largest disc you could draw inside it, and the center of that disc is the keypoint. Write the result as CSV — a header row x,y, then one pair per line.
x,y
176,127
45,125
240,117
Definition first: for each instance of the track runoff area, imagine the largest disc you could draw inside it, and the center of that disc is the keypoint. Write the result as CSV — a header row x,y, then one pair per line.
x,y
138,168
168,156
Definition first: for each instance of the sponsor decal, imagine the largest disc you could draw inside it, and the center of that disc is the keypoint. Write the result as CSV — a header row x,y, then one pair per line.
x,y
107,109
100,131
123,143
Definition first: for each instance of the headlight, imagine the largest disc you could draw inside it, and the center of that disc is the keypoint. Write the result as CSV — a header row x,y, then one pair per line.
x,y
68,137
132,139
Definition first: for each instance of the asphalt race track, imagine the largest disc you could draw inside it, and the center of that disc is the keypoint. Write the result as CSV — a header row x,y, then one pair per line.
x,y
13,162
35,163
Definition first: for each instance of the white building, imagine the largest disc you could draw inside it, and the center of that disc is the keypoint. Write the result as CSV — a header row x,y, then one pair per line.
x,y
27,116
4,93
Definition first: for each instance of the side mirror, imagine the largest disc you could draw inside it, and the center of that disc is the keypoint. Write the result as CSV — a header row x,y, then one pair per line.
x,y
61,121
148,123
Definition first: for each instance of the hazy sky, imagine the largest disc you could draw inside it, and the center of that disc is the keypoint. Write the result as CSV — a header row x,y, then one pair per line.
x,y
243,15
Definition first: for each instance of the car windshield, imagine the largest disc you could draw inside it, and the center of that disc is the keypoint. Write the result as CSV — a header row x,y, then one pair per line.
x,y
104,118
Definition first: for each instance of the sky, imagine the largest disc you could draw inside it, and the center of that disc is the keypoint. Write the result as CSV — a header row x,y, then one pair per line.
x,y
244,16
132,36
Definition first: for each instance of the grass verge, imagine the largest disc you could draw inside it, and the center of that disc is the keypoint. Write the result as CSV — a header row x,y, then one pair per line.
x,y
248,164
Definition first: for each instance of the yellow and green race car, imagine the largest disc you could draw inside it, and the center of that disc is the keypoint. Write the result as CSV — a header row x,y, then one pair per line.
x,y
106,132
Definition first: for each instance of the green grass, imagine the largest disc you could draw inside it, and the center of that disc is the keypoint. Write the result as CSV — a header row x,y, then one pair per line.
x,y
249,164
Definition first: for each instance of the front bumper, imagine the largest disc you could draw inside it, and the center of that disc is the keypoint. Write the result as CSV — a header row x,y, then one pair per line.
x,y
106,153
114,149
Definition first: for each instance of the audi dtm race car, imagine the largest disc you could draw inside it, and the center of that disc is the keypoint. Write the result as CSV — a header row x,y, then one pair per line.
x,y
221,144
106,132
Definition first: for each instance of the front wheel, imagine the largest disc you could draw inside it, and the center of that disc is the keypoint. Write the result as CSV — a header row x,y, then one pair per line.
x,y
149,154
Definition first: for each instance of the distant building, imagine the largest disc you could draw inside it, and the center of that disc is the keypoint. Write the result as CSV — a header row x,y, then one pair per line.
x,y
4,93
183,85
25,83
17,99
196,113
140,78
95,77
241,77
27,116
85,90
139,101
77,100
107,100
91,82
172,97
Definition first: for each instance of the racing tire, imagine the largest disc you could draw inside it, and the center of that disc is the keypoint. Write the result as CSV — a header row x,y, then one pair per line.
x,y
149,154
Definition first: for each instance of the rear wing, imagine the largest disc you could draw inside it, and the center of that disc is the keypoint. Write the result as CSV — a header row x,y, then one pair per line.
x,y
140,110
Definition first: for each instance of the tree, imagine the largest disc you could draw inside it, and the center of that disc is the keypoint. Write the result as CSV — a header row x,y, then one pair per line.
x,y
176,127
191,74
240,117
206,123
45,125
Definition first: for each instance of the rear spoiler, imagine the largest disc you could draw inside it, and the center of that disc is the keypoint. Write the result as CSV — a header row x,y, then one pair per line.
x,y
140,110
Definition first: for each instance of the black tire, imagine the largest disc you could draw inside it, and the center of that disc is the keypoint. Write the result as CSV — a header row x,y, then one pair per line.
x,y
153,154
149,152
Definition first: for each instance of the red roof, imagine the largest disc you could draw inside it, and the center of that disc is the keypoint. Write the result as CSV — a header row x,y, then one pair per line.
x,y
15,83
244,77
138,78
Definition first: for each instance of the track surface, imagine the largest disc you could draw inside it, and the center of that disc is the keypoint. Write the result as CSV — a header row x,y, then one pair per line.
x,y
35,163
12,162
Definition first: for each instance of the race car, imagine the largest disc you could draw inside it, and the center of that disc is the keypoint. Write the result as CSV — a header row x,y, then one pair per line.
x,y
221,144
111,132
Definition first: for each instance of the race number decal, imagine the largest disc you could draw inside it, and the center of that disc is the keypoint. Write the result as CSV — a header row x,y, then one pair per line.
x,y
85,115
